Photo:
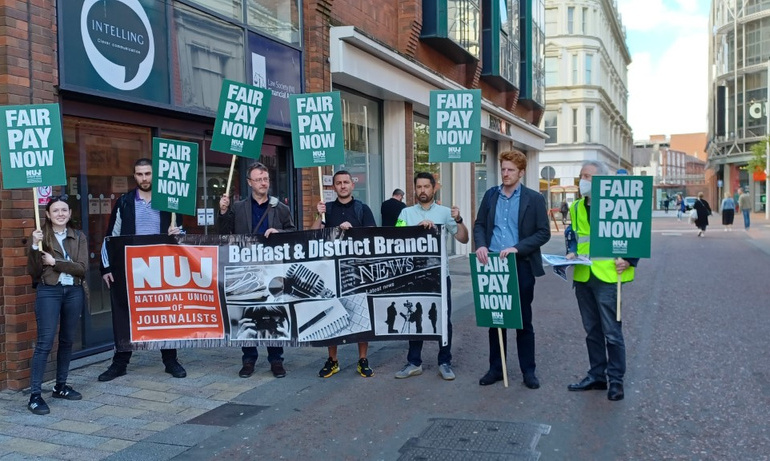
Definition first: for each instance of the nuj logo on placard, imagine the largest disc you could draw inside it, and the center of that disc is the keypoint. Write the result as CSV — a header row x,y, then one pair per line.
x,y
319,156
34,176
497,318
173,202
620,246
236,145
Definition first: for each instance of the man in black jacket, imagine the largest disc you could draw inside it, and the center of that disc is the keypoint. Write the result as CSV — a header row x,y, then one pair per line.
x,y
391,208
513,219
133,215
261,214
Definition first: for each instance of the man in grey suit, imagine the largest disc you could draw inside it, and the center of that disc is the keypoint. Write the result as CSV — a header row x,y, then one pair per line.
x,y
513,219
259,214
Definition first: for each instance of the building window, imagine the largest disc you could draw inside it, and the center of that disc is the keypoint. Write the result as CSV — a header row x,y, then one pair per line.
x,y
550,121
277,18
589,61
551,71
452,26
574,70
363,146
571,20
232,9
589,124
584,25
209,51
463,24
509,40
574,125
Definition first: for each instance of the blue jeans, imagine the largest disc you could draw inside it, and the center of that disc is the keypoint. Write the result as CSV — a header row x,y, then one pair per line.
x,y
746,218
414,356
597,301
525,338
52,303
250,354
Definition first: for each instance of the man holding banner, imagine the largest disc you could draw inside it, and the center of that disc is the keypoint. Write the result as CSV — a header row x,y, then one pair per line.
x,y
259,214
596,293
345,212
513,219
427,213
133,215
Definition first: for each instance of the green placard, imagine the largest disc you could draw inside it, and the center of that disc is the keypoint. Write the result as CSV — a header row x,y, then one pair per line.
x,y
455,126
175,175
31,146
316,129
496,292
241,118
621,216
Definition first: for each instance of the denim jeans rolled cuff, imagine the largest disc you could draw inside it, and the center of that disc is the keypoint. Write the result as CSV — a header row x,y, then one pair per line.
x,y
414,356
55,306
251,354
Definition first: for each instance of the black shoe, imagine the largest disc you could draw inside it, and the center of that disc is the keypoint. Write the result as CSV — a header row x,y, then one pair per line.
x,y
37,405
112,372
615,392
531,381
175,369
66,392
247,370
277,369
588,384
490,378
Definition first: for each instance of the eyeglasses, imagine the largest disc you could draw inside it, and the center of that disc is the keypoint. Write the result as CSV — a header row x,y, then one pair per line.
x,y
260,180
59,198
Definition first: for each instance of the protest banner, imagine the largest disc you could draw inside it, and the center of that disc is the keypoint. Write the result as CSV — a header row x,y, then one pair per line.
x,y
621,216
31,146
309,288
455,126
316,129
496,292
240,125
621,219
175,182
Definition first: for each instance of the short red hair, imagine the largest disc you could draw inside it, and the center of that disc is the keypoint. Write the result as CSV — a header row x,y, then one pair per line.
x,y
516,156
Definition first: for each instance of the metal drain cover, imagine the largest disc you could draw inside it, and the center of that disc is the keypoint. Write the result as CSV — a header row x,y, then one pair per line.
x,y
455,439
227,415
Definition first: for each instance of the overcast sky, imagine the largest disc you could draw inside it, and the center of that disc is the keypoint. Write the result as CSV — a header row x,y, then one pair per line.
x,y
668,75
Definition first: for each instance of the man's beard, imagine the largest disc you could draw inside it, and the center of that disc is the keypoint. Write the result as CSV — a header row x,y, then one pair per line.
x,y
428,198
145,187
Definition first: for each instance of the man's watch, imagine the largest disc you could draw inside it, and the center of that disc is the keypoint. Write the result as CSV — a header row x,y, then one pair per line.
x,y
459,221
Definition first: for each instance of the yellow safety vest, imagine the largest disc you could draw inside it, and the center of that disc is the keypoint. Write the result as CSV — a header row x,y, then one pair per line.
x,y
602,268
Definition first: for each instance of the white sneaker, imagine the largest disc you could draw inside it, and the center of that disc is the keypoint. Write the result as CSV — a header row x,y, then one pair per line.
x,y
409,370
446,371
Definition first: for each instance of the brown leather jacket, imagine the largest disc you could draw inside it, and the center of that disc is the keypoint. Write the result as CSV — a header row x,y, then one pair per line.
x,y
77,248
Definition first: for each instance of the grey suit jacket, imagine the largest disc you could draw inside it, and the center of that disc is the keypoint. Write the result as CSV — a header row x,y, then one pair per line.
x,y
534,228
237,220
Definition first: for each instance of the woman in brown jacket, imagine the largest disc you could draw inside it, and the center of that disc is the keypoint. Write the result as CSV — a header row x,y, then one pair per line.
x,y
58,268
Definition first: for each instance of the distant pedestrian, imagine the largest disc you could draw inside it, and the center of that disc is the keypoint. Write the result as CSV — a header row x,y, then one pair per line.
x,y
744,201
680,207
665,204
564,210
704,211
728,212
391,208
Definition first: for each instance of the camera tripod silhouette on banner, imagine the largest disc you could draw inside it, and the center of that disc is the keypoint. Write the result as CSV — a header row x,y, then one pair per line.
x,y
410,317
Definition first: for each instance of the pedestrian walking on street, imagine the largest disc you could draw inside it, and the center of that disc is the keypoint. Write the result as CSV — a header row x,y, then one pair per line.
x,y
728,212
512,219
596,293
704,211
744,202
58,271
680,207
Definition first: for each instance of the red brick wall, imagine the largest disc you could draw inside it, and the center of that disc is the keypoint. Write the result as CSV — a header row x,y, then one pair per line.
x,y
397,24
28,73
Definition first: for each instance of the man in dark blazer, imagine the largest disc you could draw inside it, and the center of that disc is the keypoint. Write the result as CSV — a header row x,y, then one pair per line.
x,y
513,219
260,214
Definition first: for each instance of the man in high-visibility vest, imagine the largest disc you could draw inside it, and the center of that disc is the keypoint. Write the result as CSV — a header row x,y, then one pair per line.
x,y
596,293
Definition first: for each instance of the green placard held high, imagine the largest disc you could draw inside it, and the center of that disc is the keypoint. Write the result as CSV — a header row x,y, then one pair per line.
x,y
241,118
621,216
175,178
316,129
455,126
31,146
496,292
